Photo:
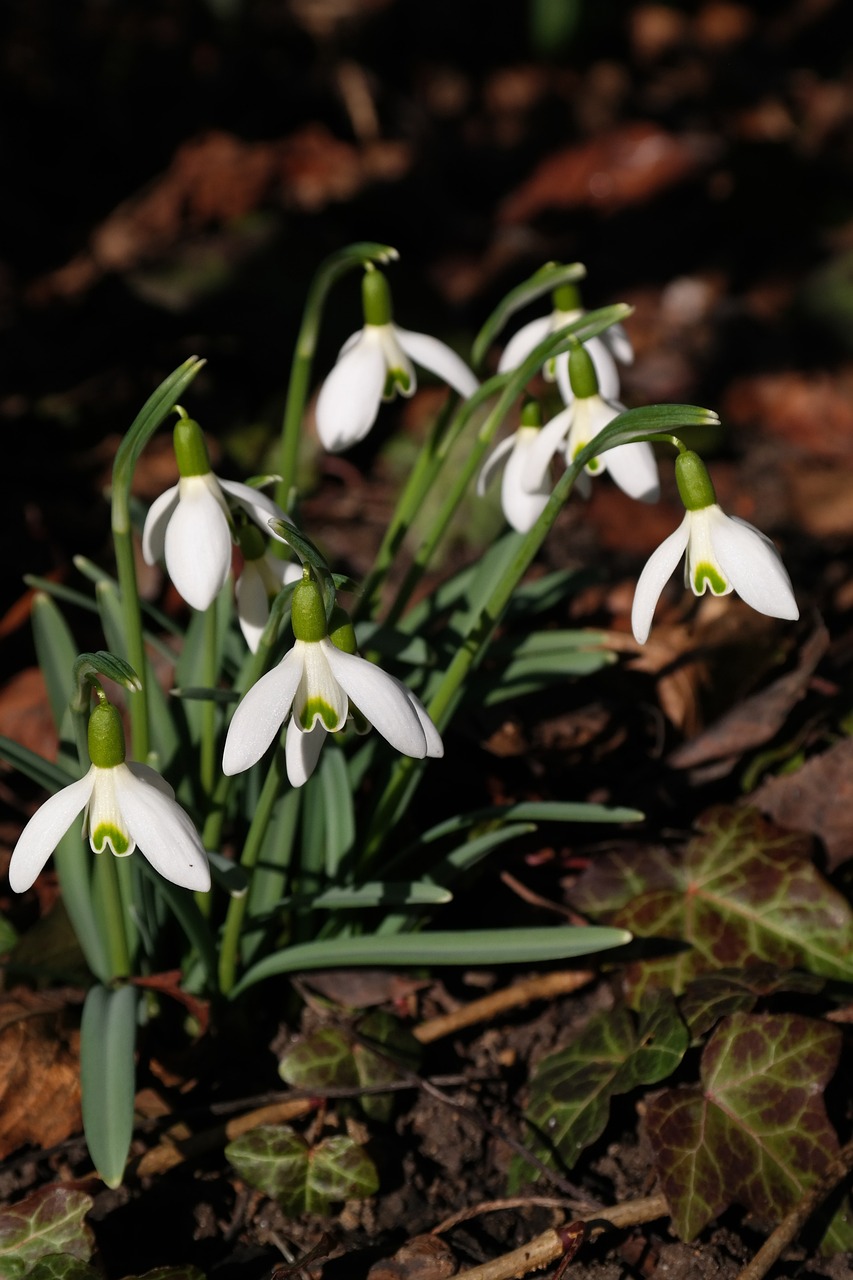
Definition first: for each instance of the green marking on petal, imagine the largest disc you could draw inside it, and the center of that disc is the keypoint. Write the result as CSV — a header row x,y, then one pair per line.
x,y
108,834
706,574
394,379
318,709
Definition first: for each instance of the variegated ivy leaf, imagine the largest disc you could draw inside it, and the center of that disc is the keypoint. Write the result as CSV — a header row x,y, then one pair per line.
x,y
755,1131
303,1179
50,1221
740,893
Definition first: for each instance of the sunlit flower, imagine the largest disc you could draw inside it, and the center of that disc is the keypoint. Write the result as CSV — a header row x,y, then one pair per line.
x,y
124,807
609,347
262,577
190,525
521,507
721,552
315,687
632,466
374,365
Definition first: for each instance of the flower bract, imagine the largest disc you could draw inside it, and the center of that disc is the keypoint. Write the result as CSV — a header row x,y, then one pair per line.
x,y
125,807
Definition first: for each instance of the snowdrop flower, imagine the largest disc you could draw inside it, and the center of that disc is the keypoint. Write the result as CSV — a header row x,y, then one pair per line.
x,y
632,466
721,552
316,685
374,364
520,507
190,525
262,577
124,806
610,346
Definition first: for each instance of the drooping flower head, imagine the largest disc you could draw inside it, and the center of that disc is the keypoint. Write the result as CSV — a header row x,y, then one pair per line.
x,y
605,350
261,578
632,466
375,364
316,686
721,552
190,525
520,507
124,807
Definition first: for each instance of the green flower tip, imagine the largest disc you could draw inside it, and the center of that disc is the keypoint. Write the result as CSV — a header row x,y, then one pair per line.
x,y
694,484
106,736
531,413
190,448
341,631
376,298
582,373
308,613
567,297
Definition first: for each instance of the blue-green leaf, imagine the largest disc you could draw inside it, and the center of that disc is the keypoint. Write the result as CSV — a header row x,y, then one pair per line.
x,y
107,1077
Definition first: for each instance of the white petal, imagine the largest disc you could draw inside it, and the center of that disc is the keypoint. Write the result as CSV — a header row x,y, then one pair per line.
x,y
522,343
349,399
616,338
163,832
753,566
635,470
198,543
302,751
380,700
522,508
253,604
45,829
549,441
493,464
261,508
319,697
151,776
659,568
154,531
261,714
436,356
435,747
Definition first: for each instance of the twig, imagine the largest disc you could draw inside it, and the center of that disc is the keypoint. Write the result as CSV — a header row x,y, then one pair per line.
x,y
791,1225
495,1206
550,1246
543,987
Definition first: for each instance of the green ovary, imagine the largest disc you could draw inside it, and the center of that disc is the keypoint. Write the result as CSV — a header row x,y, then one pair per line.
x,y
317,708
107,834
705,574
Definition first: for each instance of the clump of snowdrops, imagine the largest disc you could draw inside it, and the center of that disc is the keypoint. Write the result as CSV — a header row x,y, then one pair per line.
x,y
305,712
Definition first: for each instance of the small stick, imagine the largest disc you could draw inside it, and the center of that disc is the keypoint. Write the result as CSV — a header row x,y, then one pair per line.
x,y
550,1246
791,1225
543,987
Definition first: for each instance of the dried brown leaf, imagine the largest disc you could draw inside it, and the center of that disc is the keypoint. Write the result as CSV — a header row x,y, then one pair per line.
x,y
818,798
39,1072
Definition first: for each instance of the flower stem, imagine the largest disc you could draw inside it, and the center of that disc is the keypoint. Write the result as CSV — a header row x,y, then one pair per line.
x,y
234,917
207,753
336,266
107,888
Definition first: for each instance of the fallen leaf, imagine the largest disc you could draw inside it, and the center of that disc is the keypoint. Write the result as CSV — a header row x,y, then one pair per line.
x,y
612,171
818,798
25,714
810,411
39,1072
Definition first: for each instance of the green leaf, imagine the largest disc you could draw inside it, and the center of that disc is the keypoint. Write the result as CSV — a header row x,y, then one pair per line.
x,y
49,1221
741,892
107,1077
374,893
321,1060
8,936
475,946
755,1131
338,803
640,424
571,1090
715,995
50,776
280,1163
61,1266
56,653
545,280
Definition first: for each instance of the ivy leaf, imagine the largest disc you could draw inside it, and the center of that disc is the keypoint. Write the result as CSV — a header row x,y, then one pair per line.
x,y
741,893
571,1090
61,1266
49,1221
398,1045
277,1161
755,1131
715,995
320,1060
